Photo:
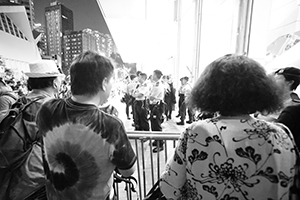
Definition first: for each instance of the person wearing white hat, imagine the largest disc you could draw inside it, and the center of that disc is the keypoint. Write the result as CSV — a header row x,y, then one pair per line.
x,y
44,81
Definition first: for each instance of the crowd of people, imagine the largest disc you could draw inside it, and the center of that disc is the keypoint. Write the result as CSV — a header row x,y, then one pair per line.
x,y
243,145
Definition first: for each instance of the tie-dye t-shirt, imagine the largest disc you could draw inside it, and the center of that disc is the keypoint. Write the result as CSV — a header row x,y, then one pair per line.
x,y
82,146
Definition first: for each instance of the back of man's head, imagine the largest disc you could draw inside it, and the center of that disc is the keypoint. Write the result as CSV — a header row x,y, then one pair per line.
x,y
40,83
138,73
132,76
290,74
87,73
143,75
158,73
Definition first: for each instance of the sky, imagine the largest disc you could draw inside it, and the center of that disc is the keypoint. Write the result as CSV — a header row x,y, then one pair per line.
x,y
86,14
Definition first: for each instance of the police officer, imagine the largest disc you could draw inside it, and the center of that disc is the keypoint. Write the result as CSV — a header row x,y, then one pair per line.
x,y
169,98
140,104
184,92
156,97
129,99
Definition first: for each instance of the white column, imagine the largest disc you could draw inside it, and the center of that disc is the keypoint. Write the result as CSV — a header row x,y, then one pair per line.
x,y
244,27
177,58
198,25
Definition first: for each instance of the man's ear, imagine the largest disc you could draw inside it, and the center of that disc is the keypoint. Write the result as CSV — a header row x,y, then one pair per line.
x,y
290,83
55,83
104,84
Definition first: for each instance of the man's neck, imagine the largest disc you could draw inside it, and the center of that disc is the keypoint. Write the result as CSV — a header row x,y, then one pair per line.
x,y
155,81
287,95
95,100
47,91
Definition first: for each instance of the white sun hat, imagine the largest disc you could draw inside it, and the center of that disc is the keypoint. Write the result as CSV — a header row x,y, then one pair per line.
x,y
43,69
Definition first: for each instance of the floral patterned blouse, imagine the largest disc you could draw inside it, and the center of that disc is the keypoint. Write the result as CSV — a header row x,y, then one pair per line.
x,y
230,159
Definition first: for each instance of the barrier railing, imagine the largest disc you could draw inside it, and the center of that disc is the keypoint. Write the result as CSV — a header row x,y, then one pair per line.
x,y
149,165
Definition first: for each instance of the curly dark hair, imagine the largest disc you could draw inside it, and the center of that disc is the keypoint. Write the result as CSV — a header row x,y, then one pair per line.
x,y
235,85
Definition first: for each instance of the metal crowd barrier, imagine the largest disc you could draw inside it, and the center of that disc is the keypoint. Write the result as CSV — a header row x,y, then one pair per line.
x,y
149,165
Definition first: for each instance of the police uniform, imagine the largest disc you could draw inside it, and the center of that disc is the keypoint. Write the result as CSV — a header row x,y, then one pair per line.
x,y
184,91
141,107
129,98
156,109
170,100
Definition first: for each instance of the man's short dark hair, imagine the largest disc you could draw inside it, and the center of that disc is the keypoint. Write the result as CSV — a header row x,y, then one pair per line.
x,y
144,75
138,73
40,83
184,78
235,85
158,73
88,72
132,76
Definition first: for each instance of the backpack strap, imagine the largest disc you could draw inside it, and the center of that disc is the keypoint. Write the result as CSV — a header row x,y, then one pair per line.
x,y
8,94
23,103
31,102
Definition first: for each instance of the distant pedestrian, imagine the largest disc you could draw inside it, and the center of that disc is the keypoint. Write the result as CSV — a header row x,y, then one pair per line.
x,y
156,98
128,99
169,98
287,79
184,92
7,95
141,105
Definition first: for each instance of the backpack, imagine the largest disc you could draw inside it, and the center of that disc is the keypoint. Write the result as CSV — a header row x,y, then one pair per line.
x,y
16,146
12,99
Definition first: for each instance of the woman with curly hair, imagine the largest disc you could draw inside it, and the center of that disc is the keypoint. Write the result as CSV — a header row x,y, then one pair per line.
x,y
232,156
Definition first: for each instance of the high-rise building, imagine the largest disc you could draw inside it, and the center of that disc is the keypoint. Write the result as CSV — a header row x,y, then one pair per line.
x,y
58,19
29,6
100,40
109,44
76,42
105,43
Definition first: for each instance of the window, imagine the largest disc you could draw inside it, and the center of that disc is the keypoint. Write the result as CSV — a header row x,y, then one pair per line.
x,y
16,31
21,35
1,27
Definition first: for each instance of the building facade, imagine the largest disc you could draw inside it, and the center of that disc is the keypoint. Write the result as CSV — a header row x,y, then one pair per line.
x,y
76,42
58,19
29,7
105,44
110,47
18,46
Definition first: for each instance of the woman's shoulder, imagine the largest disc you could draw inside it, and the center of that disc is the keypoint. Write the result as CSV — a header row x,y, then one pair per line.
x,y
206,126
